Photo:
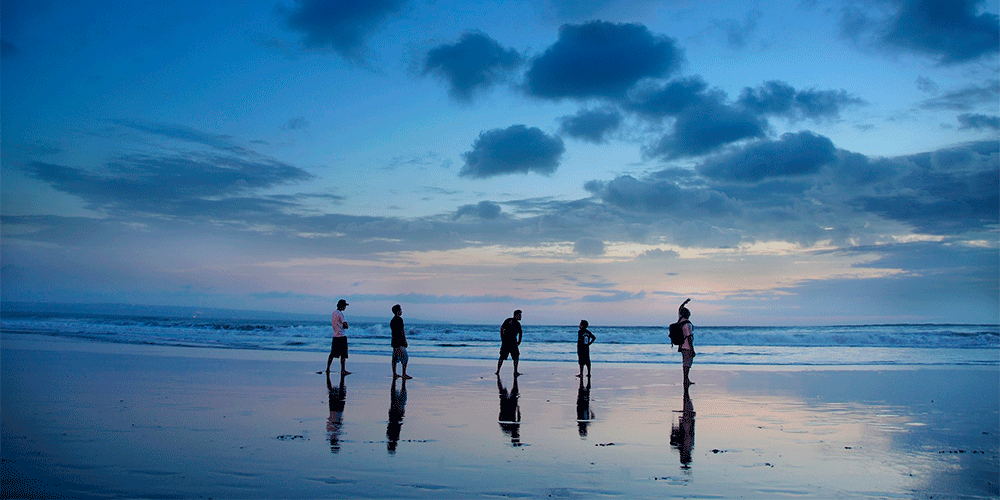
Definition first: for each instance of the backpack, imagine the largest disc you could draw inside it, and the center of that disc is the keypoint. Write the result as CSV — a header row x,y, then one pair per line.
x,y
677,332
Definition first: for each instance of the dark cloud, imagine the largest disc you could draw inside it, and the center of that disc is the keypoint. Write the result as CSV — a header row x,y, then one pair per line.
x,y
473,63
587,246
487,210
951,191
516,149
979,122
948,31
343,25
781,99
705,127
188,134
927,85
669,99
174,185
792,155
591,125
601,59
965,99
951,31
738,32
662,196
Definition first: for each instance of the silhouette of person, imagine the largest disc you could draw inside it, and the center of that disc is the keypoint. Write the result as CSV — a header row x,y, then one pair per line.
x,y
399,343
584,415
397,408
682,433
334,423
510,412
510,339
687,345
583,340
338,346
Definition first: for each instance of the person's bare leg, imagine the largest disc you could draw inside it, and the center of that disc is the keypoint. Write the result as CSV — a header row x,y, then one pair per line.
x,y
405,376
515,367
581,372
687,380
394,369
499,364
329,361
343,368
588,370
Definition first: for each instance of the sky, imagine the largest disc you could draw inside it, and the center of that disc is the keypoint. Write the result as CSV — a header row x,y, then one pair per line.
x,y
800,162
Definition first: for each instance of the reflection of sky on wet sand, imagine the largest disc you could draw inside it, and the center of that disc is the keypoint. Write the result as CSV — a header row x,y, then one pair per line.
x,y
212,428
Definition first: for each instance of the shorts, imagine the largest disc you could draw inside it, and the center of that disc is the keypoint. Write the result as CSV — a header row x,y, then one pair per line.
x,y
510,349
338,347
399,355
583,355
687,355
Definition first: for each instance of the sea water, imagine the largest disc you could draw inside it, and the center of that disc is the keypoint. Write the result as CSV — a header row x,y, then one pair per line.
x,y
866,345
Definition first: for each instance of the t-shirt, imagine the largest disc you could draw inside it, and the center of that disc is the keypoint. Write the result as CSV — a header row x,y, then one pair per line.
x,y
509,331
338,321
583,339
398,332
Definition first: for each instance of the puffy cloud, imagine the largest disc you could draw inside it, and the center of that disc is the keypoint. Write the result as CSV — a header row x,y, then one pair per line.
x,y
948,31
781,99
705,127
473,63
516,149
600,59
979,122
795,154
589,246
483,210
965,99
343,26
591,125
950,191
662,196
667,100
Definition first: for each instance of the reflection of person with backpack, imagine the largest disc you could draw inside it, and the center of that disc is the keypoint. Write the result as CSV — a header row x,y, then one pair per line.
x,y
682,335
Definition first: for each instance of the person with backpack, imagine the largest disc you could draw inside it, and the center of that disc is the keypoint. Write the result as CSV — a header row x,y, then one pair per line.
x,y
682,335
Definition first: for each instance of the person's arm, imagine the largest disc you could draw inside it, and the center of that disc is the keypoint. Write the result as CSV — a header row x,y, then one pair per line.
x,y
519,334
593,338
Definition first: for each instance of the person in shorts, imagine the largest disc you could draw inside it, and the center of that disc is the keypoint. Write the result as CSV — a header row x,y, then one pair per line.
x,y
687,346
338,346
510,339
399,344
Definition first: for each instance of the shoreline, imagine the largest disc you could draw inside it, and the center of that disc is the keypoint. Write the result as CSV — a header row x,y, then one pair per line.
x,y
93,419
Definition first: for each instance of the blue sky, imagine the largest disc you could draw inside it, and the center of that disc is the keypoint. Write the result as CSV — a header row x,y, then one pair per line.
x,y
800,162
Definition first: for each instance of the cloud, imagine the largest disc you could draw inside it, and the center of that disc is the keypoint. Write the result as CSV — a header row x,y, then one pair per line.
x,y
950,31
667,100
781,99
656,254
705,127
965,99
947,31
516,149
794,154
662,196
473,63
590,247
737,32
343,26
950,191
591,125
978,122
600,59
487,210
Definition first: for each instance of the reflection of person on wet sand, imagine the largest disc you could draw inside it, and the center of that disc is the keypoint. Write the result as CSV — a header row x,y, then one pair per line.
x,y
583,413
397,407
334,422
510,412
682,433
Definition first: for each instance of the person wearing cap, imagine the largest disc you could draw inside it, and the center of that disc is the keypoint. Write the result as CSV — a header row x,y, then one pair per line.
x,y
687,346
338,346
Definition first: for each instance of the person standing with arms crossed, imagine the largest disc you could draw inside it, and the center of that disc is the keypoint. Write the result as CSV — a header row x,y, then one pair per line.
x,y
338,346
583,340
510,339
399,343
687,346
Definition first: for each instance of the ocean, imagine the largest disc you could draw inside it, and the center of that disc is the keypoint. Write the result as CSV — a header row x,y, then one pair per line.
x,y
857,345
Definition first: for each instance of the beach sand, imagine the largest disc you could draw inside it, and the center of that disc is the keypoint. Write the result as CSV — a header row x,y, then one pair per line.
x,y
96,420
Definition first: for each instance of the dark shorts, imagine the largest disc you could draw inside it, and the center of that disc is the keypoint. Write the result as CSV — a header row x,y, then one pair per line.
x,y
338,347
583,355
399,355
509,349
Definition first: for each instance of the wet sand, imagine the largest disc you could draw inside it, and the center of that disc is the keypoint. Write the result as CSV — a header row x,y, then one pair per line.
x,y
96,420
